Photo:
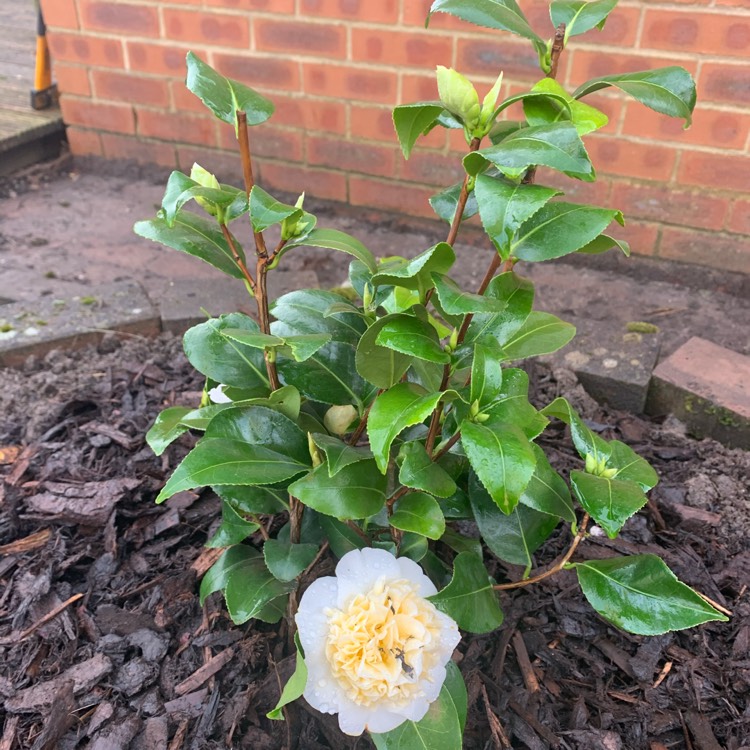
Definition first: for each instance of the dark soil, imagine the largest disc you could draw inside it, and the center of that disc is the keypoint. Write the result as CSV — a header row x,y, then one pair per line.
x,y
131,660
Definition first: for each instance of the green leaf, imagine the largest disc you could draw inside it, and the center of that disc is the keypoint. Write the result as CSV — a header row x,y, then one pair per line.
x,y
504,206
456,506
295,685
234,528
225,97
469,598
602,243
493,14
196,236
445,203
224,461
515,537
357,491
253,338
415,273
413,120
338,453
442,726
557,146
642,595
412,336
486,376
173,200
340,537
511,405
585,441
455,301
670,91
541,333
218,574
418,512
459,543
419,472
502,458
401,406
413,546
286,560
223,360
377,364
265,210
610,502
547,491
167,428
543,110
333,239
559,229
630,466
580,16
306,345
253,499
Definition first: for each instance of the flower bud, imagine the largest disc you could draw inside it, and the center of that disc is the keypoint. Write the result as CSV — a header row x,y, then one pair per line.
x,y
481,418
338,418
609,473
205,179
367,297
290,227
590,464
458,96
474,409
317,459
488,106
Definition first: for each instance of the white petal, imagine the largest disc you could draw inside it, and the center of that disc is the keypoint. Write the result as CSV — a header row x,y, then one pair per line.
x,y
416,710
359,570
352,718
449,635
312,622
432,682
382,720
412,571
322,691
218,396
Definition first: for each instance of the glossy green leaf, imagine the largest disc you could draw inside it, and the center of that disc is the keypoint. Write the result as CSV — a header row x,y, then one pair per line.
x,y
642,595
265,210
223,461
254,499
295,685
380,365
630,466
585,441
459,543
357,491
602,243
511,405
401,406
173,199
167,428
412,336
414,546
442,726
502,459
559,229
419,472
286,560
341,537
610,502
504,206
234,528
541,333
670,91
415,273
455,301
547,491
333,239
457,506
217,576
445,203
469,598
580,16
547,109
196,236
338,453
414,120
557,146
256,339
418,512
225,97
486,376
513,537
223,360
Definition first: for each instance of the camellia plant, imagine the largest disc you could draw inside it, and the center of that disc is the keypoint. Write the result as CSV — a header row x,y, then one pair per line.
x,y
391,427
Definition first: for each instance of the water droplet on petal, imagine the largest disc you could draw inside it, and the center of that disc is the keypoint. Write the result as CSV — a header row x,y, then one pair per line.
x,y
322,683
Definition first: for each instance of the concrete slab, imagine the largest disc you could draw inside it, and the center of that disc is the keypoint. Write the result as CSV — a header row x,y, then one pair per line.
x,y
707,387
612,363
36,327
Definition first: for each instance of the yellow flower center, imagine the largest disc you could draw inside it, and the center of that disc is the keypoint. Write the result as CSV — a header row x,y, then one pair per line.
x,y
382,643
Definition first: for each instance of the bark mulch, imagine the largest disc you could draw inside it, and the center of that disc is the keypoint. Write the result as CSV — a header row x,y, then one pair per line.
x,y
103,644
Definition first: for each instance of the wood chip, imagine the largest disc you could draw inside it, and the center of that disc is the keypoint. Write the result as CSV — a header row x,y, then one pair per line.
x,y
206,559
208,670
27,544
9,733
524,663
9,453
700,728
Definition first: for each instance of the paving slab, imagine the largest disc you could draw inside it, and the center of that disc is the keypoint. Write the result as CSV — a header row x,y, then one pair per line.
x,y
74,321
707,387
612,360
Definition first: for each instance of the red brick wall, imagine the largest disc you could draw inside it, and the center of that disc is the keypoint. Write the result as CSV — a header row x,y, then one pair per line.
x,y
335,68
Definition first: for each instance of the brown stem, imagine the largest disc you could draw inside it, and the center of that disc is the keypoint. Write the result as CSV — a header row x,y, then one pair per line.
x,y
247,169
235,254
261,528
353,526
295,516
357,434
463,197
261,297
557,47
315,561
451,442
397,495
434,428
556,567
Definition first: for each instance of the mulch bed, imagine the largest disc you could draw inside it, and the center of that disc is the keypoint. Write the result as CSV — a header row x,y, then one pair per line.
x,y
103,644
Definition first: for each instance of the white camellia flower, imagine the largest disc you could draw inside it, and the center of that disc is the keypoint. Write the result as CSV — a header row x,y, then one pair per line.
x,y
375,648
218,396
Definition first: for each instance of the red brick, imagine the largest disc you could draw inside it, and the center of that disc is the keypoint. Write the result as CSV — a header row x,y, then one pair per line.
x,y
83,142
592,64
691,31
382,11
350,156
390,195
432,169
87,50
316,183
302,37
144,152
112,117
159,59
418,88
220,29
119,18
284,7
376,124
358,84
631,159
576,191
709,128
116,86
642,237
387,47
274,143
721,251
722,171
662,203
489,56
310,114
184,100
724,82
183,128
72,79
60,14
264,72
415,14
739,219
224,164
